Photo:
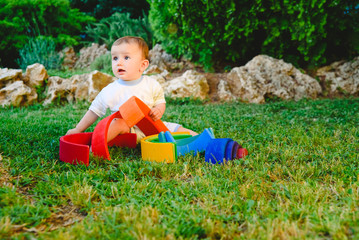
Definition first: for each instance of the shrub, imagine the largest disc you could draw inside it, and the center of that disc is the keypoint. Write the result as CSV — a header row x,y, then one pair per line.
x,y
105,8
300,31
40,50
21,20
118,25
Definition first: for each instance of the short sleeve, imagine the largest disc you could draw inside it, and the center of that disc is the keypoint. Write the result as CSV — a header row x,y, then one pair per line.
x,y
158,94
98,105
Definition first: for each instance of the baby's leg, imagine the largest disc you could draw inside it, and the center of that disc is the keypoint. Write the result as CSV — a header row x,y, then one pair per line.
x,y
117,126
182,129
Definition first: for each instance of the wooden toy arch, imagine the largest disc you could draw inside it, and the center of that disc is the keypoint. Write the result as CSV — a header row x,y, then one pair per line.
x,y
75,148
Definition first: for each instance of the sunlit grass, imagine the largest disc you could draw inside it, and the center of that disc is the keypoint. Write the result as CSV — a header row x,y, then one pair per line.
x,y
300,179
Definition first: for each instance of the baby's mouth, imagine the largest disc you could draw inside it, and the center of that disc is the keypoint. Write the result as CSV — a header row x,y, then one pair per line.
x,y
121,70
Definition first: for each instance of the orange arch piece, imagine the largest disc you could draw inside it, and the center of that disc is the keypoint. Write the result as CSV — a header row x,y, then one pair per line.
x,y
135,112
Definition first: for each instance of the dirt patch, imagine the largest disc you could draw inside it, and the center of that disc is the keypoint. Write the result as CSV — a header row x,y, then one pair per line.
x,y
5,178
63,216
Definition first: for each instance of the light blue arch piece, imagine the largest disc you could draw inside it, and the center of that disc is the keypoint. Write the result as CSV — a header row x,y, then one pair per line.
x,y
194,144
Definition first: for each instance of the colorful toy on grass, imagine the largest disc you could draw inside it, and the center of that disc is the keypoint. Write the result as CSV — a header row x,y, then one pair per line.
x,y
160,146
75,148
166,147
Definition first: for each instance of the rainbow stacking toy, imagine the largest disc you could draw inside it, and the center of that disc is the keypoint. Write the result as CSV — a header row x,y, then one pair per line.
x,y
166,147
160,145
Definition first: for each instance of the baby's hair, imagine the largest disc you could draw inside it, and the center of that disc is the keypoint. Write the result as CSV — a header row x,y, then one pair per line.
x,y
137,40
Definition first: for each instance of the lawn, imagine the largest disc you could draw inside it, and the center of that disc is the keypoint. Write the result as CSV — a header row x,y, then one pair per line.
x,y
300,179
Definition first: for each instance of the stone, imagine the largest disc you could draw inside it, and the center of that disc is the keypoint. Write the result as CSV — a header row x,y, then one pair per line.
x,y
59,88
160,58
190,84
340,78
36,75
264,77
9,76
89,85
78,87
17,94
89,54
224,93
69,57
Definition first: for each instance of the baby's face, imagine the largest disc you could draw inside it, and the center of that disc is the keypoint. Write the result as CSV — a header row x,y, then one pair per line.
x,y
127,61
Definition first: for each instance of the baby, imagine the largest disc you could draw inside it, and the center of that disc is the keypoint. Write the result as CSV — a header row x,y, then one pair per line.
x,y
129,61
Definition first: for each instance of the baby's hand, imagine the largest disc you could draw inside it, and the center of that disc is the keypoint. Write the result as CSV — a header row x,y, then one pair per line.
x,y
72,131
155,114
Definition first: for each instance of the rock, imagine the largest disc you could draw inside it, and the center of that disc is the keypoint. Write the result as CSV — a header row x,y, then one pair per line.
x,y
340,77
224,93
9,76
78,87
59,88
160,77
265,76
36,74
190,84
17,94
160,58
69,57
89,54
153,69
89,85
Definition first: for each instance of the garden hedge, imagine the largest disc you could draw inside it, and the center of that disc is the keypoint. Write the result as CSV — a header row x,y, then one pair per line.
x,y
303,32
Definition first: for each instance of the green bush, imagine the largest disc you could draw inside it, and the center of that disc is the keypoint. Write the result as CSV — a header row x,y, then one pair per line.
x,y
303,32
105,8
40,50
118,25
102,63
21,20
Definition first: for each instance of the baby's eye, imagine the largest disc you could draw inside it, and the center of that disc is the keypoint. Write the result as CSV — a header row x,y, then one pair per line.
x,y
114,58
127,57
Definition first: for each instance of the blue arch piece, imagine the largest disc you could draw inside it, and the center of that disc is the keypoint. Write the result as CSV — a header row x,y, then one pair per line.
x,y
162,137
229,150
169,137
216,149
196,144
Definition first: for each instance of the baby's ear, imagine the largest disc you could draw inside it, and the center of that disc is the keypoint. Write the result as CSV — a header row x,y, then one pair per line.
x,y
144,65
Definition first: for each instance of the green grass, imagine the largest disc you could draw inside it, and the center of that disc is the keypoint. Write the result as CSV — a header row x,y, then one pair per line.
x,y
300,179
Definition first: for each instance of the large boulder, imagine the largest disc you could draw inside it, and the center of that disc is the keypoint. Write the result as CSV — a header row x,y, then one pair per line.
x,y
190,84
8,76
89,85
59,88
223,91
89,54
69,57
265,76
340,78
36,75
17,94
78,87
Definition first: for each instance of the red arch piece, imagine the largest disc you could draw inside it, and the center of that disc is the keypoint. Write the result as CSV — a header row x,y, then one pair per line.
x,y
99,137
74,148
135,112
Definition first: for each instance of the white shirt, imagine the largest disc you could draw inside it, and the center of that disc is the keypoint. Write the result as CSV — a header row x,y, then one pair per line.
x,y
117,93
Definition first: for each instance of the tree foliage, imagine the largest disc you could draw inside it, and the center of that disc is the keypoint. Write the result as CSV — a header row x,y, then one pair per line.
x,y
303,32
105,8
25,19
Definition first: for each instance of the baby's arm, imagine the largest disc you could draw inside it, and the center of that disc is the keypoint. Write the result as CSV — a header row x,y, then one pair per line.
x,y
86,121
157,111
